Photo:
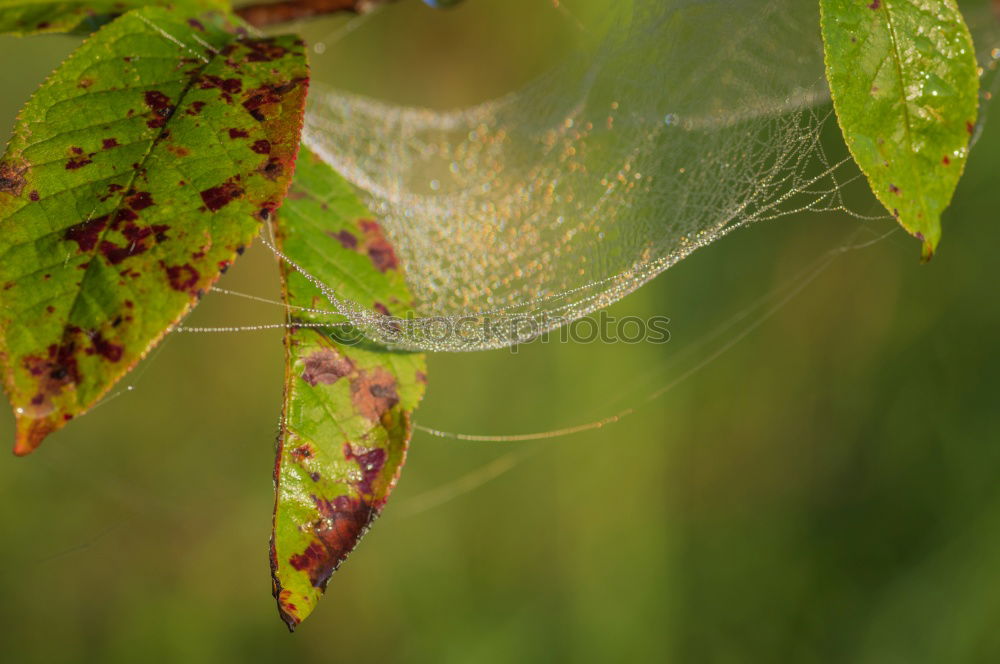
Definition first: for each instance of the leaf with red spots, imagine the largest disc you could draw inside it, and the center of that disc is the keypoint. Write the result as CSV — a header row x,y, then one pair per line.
x,y
122,197
347,407
905,88
26,17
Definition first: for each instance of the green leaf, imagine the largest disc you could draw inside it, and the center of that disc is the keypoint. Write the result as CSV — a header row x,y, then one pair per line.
x,y
347,407
905,88
27,17
135,175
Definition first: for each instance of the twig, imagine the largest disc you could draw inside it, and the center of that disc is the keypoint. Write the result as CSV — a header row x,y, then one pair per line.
x,y
285,11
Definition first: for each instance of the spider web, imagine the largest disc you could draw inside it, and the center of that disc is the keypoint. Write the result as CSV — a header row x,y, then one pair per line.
x,y
678,122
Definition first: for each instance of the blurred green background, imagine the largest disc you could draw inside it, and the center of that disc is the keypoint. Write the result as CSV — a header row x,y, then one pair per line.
x,y
826,491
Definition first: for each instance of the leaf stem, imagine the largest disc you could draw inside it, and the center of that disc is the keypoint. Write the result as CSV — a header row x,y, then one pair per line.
x,y
285,11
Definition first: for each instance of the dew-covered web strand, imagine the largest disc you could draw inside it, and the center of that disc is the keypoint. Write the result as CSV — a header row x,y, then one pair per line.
x,y
259,327
793,288
136,374
465,483
339,33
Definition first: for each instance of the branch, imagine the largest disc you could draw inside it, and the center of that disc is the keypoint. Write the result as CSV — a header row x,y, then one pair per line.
x,y
285,11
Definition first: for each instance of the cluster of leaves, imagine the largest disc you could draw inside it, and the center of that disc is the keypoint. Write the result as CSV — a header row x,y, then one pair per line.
x,y
155,154
136,175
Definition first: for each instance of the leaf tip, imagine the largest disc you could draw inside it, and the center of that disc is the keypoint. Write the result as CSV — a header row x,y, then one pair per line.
x,y
926,253
29,434
290,621
928,247
287,610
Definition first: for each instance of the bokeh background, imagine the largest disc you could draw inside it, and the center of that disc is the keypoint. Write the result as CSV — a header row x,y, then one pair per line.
x,y
824,491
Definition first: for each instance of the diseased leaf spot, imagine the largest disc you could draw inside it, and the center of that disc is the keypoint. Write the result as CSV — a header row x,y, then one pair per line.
x,y
373,393
264,50
262,146
106,349
265,95
140,200
346,239
160,104
231,85
326,366
289,612
217,198
53,372
136,234
182,277
272,169
380,251
370,462
227,87
11,179
238,133
86,233
125,215
78,162
343,521
109,143
115,254
265,212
